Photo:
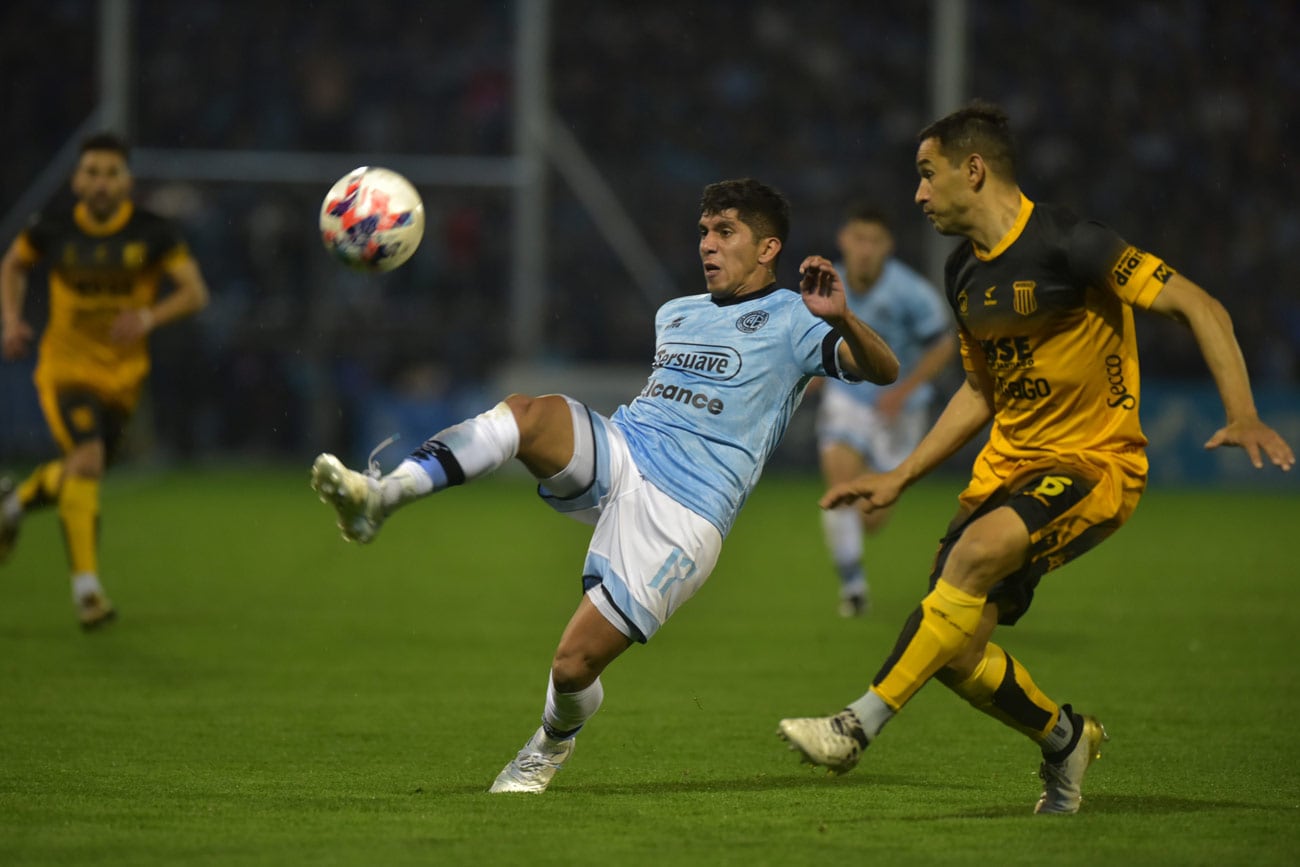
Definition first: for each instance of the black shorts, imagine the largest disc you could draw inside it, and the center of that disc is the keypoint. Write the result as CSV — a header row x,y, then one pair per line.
x,y
76,416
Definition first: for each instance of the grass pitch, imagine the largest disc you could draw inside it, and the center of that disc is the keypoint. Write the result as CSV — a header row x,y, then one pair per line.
x,y
271,695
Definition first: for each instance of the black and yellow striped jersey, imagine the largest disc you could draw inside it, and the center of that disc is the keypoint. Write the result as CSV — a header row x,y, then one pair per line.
x,y
1048,313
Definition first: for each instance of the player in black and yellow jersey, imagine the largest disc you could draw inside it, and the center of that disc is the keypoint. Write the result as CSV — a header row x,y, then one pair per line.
x,y
106,260
1043,302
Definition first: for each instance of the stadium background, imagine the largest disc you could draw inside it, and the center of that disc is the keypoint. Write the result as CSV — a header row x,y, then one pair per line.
x,y
1176,122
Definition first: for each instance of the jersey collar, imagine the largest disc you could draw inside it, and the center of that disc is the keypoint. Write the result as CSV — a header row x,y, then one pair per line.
x,y
752,296
94,228
1026,208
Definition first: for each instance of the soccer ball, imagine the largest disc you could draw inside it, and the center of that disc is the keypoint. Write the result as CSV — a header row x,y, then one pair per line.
x,y
372,219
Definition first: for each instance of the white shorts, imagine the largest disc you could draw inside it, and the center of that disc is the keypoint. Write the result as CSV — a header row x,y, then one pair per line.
x,y
883,444
649,553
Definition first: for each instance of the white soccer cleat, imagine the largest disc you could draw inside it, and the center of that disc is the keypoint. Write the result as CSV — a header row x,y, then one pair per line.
x,y
94,610
853,605
1063,780
355,496
532,769
834,742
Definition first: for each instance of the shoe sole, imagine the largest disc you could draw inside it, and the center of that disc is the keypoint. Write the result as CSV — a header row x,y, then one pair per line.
x,y
327,479
327,475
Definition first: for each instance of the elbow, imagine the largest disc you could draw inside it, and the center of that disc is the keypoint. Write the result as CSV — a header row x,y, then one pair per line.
x,y
1221,315
891,372
199,298
886,372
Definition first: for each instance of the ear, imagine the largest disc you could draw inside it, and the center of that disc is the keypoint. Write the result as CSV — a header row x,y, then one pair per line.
x,y
768,249
977,171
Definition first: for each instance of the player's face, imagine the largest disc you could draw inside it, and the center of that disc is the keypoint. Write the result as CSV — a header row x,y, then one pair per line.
x,y
735,262
942,192
864,246
103,181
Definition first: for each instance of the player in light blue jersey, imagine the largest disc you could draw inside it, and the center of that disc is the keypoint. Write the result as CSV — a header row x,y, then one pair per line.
x,y
862,426
662,479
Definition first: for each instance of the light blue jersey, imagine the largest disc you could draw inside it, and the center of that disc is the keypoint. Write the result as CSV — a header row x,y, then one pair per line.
x,y
726,379
908,312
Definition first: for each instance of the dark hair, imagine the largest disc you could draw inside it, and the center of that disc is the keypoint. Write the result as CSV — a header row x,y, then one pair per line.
x,y
863,211
763,209
106,141
978,127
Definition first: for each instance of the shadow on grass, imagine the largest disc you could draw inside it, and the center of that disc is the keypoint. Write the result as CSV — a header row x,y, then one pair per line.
x,y
762,783
1106,805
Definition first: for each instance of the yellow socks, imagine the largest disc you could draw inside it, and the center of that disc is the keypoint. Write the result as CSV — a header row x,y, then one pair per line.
x,y
1003,689
79,513
41,488
949,617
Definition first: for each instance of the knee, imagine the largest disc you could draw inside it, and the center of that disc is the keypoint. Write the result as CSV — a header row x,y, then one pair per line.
x,y
529,413
977,562
519,404
85,461
573,670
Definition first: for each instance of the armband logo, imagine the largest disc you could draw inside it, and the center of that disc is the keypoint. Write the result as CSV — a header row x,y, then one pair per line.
x,y
1127,265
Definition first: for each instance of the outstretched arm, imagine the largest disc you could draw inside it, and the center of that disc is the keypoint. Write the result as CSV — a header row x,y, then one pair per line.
x,y
864,353
1185,302
15,334
969,409
189,296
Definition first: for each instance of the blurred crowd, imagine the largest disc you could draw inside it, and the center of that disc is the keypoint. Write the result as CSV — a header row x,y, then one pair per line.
x,y
1176,122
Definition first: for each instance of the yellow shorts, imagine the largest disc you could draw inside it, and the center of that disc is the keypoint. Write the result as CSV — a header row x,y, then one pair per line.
x,y
1069,504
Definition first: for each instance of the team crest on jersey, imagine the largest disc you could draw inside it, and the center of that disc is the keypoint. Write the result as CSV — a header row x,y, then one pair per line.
x,y
1024,301
751,322
82,418
133,254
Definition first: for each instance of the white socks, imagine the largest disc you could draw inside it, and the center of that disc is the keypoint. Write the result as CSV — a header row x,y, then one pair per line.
x,y
462,452
873,713
84,584
842,528
567,711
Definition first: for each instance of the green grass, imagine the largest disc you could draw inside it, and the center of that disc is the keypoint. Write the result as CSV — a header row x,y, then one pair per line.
x,y
271,695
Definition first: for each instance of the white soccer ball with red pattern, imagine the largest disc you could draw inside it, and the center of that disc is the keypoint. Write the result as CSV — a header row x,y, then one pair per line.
x,y
372,219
